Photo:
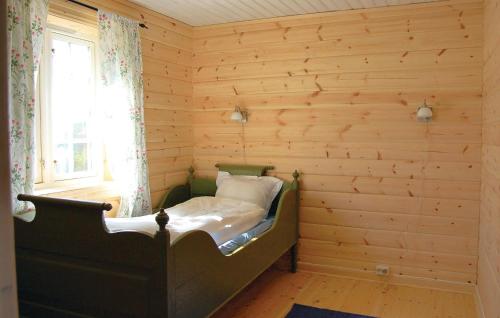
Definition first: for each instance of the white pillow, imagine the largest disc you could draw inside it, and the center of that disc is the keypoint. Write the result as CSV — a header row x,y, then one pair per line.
x,y
257,190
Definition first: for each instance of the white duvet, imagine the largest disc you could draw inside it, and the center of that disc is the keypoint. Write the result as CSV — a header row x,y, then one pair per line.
x,y
222,218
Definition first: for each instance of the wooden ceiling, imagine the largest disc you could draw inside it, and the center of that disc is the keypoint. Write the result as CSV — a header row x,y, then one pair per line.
x,y
207,12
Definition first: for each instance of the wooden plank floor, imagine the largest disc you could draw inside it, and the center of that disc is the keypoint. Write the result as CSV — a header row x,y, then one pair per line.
x,y
274,292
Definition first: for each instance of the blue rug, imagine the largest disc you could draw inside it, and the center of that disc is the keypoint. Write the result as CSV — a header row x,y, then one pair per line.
x,y
301,311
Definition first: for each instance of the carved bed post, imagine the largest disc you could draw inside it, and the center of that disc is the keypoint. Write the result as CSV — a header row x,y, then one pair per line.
x,y
191,174
165,267
162,219
190,180
293,250
295,184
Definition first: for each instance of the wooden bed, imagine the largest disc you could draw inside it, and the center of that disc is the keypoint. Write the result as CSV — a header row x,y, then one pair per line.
x,y
68,265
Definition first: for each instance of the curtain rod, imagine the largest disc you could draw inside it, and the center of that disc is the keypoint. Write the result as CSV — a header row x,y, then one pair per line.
x,y
142,25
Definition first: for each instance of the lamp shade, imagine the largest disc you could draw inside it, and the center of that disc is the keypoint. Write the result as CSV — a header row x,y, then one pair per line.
x,y
424,113
236,116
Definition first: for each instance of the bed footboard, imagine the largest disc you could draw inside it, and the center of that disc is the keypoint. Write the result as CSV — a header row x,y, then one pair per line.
x,y
68,265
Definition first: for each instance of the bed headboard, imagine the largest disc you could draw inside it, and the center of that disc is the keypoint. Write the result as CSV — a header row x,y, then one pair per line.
x,y
205,186
196,187
247,170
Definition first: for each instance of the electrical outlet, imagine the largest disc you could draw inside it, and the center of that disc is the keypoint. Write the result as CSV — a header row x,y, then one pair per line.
x,y
382,270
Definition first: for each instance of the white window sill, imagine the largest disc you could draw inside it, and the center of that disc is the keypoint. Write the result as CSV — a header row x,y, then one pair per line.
x,y
46,190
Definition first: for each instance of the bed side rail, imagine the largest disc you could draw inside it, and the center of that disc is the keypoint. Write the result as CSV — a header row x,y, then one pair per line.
x,y
202,272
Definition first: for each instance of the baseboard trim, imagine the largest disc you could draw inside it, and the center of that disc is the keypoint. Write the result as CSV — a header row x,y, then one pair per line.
x,y
479,303
402,280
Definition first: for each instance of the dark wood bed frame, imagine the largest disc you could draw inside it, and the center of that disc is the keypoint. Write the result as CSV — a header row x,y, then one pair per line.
x,y
69,265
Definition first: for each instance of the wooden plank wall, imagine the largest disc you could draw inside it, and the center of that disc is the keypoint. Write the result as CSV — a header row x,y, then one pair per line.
x,y
334,95
489,247
167,58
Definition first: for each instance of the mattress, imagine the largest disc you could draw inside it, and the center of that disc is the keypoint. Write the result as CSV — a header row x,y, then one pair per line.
x,y
222,218
240,240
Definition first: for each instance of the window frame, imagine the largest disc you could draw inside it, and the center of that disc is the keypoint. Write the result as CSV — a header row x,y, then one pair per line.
x,y
47,179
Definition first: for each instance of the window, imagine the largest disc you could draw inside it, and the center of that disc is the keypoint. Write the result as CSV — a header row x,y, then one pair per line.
x,y
68,148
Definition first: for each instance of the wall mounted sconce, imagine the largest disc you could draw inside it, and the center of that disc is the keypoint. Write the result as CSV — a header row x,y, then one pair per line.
x,y
239,115
424,113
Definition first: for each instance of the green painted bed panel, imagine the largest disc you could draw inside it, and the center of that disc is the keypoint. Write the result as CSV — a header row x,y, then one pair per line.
x,y
247,170
176,195
203,187
204,273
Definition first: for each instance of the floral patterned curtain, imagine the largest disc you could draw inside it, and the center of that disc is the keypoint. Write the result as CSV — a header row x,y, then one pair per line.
x,y
123,104
26,21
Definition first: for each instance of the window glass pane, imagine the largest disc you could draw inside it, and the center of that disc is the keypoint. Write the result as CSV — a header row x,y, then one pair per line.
x,y
61,159
80,130
72,100
80,157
